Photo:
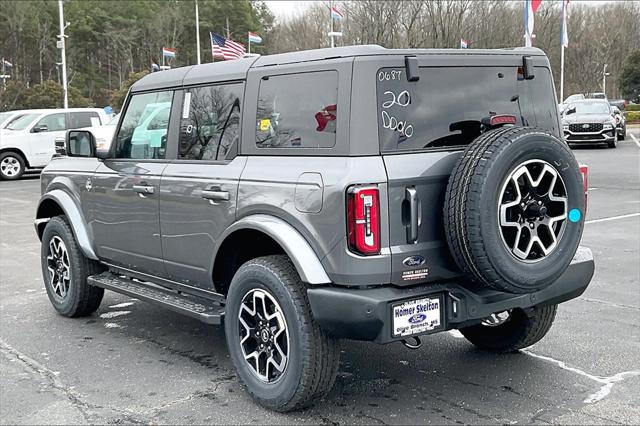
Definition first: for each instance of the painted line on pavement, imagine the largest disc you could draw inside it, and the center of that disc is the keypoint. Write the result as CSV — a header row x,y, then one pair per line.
x,y
634,139
606,219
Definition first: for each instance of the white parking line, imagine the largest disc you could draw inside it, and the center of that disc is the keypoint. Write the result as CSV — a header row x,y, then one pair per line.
x,y
606,219
634,139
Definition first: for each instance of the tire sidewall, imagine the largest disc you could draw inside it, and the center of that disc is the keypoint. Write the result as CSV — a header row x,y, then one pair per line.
x,y
530,276
55,228
21,162
257,276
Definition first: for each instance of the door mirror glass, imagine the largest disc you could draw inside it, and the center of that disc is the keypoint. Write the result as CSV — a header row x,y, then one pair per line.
x,y
40,128
80,143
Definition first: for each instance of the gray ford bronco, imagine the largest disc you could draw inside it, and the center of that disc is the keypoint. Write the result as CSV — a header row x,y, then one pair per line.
x,y
302,198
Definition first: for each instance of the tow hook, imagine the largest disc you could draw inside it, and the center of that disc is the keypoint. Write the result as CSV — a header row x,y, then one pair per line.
x,y
417,343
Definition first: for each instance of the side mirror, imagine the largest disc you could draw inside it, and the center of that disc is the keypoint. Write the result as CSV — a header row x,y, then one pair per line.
x,y
40,128
83,143
80,143
570,111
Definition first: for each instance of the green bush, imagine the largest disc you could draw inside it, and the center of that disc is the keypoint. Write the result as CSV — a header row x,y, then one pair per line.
x,y
635,107
633,117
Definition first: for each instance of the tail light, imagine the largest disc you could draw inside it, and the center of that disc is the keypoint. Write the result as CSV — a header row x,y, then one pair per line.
x,y
584,171
497,120
363,219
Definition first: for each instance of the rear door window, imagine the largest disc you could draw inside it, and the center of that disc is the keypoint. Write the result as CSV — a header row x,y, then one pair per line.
x,y
444,107
210,124
297,110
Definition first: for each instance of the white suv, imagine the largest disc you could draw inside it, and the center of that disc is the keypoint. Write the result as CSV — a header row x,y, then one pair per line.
x,y
28,140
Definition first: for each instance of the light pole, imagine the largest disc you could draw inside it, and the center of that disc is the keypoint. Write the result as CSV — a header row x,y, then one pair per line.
x,y
604,79
61,46
197,34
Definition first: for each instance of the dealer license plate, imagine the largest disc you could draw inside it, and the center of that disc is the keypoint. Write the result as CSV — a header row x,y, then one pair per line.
x,y
416,316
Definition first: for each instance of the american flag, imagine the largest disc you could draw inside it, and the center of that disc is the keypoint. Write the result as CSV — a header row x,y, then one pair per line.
x,y
225,48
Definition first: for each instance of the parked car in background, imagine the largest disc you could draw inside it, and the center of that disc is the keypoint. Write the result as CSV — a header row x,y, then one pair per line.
x,y
621,122
28,141
596,95
620,103
589,121
103,135
568,100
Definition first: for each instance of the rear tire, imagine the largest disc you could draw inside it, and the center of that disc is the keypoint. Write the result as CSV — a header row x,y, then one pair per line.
x,y
65,270
522,329
12,166
267,296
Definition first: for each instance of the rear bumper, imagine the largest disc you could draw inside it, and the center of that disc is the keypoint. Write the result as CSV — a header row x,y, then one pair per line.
x,y
365,314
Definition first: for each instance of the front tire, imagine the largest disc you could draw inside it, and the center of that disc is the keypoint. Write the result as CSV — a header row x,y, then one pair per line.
x,y
614,142
521,329
65,270
280,353
12,166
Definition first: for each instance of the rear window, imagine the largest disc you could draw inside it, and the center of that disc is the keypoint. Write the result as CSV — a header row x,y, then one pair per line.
x,y
445,106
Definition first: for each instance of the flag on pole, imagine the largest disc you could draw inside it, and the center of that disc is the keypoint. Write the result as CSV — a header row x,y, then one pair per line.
x,y
565,31
335,14
225,48
254,38
463,43
168,52
530,8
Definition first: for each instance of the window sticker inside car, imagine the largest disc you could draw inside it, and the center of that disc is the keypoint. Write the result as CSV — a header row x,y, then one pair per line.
x,y
265,124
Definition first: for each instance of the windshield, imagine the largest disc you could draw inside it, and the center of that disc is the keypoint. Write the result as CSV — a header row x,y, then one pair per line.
x,y
21,122
588,108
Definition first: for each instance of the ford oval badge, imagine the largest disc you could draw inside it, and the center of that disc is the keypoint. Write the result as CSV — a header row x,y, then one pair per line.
x,y
417,318
413,261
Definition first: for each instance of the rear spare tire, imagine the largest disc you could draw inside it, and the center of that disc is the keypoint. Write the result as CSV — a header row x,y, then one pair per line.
x,y
514,209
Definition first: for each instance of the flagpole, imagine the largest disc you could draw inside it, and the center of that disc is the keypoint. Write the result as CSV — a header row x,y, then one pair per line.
x,y
197,33
331,18
562,72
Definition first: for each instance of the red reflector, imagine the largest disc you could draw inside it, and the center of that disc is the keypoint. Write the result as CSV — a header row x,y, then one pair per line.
x,y
584,171
502,119
363,220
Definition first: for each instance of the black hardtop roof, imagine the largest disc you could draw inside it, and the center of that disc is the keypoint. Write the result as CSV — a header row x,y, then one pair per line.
x,y
237,69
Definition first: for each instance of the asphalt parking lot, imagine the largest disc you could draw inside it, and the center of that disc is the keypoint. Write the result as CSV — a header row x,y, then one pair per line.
x,y
136,363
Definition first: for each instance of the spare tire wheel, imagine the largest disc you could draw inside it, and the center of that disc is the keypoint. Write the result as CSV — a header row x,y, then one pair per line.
x,y
514,209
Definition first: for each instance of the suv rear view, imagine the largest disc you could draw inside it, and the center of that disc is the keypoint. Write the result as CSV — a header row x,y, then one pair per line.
x,y
360,193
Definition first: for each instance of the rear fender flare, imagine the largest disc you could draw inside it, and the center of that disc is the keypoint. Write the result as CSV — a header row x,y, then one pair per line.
x,y
75,217
292,242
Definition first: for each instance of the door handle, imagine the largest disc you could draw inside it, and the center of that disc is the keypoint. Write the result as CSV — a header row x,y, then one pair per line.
x,y
411,195
144,189
215,195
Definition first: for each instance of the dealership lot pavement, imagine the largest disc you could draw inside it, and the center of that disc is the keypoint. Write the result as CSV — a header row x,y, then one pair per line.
x,y
135,363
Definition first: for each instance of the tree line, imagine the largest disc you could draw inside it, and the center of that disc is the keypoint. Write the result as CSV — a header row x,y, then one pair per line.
x,y
111,43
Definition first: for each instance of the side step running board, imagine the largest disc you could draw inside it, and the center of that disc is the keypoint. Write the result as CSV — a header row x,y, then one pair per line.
x,y
205,310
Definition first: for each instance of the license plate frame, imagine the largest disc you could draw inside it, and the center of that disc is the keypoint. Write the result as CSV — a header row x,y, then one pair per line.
x,y
427,325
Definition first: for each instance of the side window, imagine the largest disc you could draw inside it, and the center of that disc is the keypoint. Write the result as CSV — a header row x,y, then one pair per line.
x,y
210,124
51,123
297,110
143,133
83,119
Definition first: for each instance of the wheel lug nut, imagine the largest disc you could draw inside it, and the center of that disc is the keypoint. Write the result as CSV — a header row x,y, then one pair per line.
x,y
539,203
531,225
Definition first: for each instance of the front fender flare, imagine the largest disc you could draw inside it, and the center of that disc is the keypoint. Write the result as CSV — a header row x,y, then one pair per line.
x,y
297,248
75,217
